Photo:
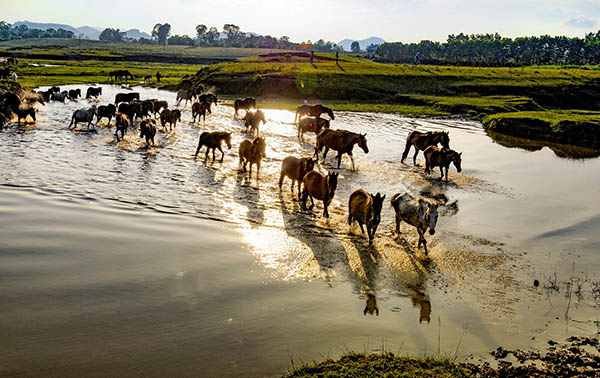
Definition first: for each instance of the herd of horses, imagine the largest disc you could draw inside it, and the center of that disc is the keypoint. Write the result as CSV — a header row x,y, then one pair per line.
x,y
363,207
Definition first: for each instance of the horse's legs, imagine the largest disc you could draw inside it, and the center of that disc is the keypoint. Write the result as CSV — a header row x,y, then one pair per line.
x,y
304,198
339,159
398,221
362,230
325,153
352,160
222,153
312,202
349,217
415,156
325,205
214,153
442,171
427,167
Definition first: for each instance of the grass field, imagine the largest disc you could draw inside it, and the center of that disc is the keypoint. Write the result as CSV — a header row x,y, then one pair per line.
x,y
68,48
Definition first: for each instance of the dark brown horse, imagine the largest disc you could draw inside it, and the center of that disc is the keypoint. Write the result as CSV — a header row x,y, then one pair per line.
x,y
93,92
295,169
148,130
24,111
342,141
365,208
420,141
122,123
252,152
246,104
157,106
199,109
126,97
212,140
442,157
208,97
253,120
171,117
107,111
74,94
312,110
313,125
320,187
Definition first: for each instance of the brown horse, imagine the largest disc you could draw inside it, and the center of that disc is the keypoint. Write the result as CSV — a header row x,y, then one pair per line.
x,y
157,106
313,125
423,140
252,120
419,213
148,130
252,152
83,115
342,141
295,169
246,104
121,124
312,110
208,97
126,97
320,187
365,208
199,109
107,111
442,157
212,140
171,117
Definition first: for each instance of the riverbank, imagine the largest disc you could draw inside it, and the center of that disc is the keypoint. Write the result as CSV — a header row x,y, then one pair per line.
x,y
356,84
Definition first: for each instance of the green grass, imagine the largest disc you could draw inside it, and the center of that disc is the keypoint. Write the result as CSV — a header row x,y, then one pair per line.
x,y
380,365
69,49
94,71
576,127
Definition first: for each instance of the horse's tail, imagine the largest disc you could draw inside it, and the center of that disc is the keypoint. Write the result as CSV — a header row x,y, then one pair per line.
x,y
296,117
394,200
407,148
72,120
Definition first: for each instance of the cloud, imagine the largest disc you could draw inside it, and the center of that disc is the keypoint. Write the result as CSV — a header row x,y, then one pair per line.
x,y
580,22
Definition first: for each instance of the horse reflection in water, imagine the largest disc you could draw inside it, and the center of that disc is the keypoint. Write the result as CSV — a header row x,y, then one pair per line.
x,y
371,305
421,300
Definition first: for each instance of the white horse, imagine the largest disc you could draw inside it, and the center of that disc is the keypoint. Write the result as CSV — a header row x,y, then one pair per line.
x,y
83,115
419,213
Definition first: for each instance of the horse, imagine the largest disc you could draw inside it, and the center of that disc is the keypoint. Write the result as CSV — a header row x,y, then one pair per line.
x,y
171,117
126,97
24,111
74,94
313,125
442,157
199,109
157,106
419,213
312,110
246,104
59,96
148,130
342,141
212,140
320,187
365,208
208,97
252,152
130,109
10,100
147,77
93,92
423,140
107,111
187,95
83,115
295,169
253,120
121,124
118,74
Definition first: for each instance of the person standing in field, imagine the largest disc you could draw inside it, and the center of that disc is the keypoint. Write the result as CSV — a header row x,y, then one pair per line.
x,y
14,76
337,57
158,76
312,56
416,59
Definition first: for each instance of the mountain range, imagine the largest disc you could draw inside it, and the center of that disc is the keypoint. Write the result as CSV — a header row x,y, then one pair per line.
x,y
88,32
346,43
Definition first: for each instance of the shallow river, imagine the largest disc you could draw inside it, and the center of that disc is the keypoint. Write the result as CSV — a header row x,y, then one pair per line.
x,y
120,260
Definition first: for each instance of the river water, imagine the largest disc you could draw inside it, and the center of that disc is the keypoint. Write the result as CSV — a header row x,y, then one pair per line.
x,y
122,260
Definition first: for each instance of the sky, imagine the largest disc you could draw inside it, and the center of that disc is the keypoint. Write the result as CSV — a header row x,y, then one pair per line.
x,y
334,20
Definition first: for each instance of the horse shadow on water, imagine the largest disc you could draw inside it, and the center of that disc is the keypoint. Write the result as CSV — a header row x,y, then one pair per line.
x,y
249,197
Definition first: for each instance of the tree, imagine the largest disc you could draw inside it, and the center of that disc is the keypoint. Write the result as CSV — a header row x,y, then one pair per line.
x,y
212,36
201,34
181,40
112,35
161,32
355,47
233,34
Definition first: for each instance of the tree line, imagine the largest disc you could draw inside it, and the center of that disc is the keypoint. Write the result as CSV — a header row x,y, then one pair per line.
x,y
7,32
495,50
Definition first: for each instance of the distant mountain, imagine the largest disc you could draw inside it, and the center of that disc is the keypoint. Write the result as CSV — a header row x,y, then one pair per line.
x,y
87,31
137,34
346,43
